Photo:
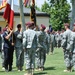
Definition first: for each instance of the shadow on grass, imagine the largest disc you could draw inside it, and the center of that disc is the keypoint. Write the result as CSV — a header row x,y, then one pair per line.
x,y
49,68
41,73
2,71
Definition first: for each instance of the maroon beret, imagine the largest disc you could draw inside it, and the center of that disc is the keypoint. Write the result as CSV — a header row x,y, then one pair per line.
x,y
43,26
66,24
29,24
5,29
74,24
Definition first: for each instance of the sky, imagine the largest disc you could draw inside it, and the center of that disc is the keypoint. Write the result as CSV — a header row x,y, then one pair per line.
x,y
37,2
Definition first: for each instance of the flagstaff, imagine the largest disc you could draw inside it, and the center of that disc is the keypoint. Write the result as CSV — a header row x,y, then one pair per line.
x,y
22,19
33,12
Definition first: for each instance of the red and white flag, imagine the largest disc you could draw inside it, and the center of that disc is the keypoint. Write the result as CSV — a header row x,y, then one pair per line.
x,y
27,3
3,4
8,14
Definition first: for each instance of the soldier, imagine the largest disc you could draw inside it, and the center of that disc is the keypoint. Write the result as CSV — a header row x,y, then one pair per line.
x,y
19,48
65,45
41,49
58,39
48,41
30,45
72,45
61,35
52,39
7,49
0,40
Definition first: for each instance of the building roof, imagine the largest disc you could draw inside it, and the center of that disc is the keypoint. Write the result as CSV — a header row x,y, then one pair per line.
x,y
26,11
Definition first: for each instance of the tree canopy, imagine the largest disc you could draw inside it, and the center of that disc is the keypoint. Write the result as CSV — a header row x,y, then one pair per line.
x,y
59,12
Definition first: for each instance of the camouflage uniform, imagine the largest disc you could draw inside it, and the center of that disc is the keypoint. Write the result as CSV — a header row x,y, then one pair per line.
x,y
72,47
2,51
29,45
67,52
0,42
52,42
19,50
47,43
41,50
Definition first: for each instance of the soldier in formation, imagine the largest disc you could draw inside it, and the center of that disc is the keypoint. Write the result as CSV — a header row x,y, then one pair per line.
x,y
67,52
30,45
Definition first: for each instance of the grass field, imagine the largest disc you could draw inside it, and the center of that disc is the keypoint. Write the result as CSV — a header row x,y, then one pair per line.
x,y
54,66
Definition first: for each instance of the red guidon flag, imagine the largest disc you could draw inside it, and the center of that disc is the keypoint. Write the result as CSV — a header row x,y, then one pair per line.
x,y
8,14
3,4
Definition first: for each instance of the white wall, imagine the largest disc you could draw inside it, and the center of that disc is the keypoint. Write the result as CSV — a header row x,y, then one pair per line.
x,y
40,20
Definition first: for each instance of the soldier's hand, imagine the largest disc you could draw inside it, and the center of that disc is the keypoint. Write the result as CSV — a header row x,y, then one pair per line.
x,y
12,44
11,31
21,30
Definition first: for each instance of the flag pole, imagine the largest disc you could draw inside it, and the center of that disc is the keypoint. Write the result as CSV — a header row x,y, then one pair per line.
x,y
33,12
22,18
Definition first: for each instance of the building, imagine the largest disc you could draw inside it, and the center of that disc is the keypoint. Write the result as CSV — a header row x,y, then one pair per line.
x,y
41,17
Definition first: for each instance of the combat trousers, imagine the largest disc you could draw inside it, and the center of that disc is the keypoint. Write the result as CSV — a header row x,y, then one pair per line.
x,y
19,57
68,59
2,56
30,58
52,47
41,57
74,61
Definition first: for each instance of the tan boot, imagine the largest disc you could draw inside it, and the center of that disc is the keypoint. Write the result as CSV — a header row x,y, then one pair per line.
x,y
67,71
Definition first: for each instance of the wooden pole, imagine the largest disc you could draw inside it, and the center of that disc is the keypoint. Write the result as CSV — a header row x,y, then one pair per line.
x,y
22,18
33,12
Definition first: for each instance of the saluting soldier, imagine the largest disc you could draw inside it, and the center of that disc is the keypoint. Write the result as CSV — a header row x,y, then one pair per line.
x,y
65,44
19,48
30,45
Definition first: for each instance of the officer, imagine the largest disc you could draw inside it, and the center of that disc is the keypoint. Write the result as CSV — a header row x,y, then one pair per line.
x,y
65,44
19,48
7,49
41,50
30,45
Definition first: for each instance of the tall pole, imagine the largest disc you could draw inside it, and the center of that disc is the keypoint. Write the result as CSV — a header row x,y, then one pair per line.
x,y
33,12
73,14
22,18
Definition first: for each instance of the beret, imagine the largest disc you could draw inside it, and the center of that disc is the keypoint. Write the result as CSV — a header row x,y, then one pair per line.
x,y
43,26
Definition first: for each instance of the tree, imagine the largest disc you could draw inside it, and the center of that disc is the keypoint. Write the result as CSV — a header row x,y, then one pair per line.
x,y
59,11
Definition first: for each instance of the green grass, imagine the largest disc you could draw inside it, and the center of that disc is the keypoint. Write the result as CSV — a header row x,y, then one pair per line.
x,y
54,66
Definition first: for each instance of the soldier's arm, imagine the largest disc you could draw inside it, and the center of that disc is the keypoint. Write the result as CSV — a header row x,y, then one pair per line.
x,y
64,41
19,36
24,40
70,46
8,36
